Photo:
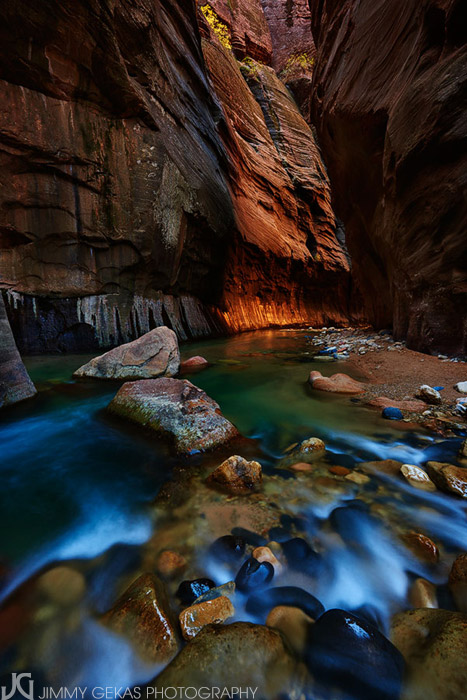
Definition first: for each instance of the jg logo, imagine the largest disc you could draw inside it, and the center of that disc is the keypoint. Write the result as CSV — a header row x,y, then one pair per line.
x,y
17,684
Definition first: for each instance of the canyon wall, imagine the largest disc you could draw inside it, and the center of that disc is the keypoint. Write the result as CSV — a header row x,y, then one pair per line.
x,y
139,187
15,384
389,101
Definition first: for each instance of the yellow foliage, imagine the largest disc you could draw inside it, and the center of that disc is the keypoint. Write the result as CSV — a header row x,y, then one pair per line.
x,y
219,27
301,61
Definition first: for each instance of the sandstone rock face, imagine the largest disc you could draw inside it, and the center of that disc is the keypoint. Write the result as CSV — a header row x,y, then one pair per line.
x,y
143,615
176,409
15,384
154,354
433,642
131,198
389,101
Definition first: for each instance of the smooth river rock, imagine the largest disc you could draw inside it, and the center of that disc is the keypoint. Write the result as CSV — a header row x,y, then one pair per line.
x,y
434,646
238,655
176,409
458,582
207,612
449,478
142,614
338,383
237,475
153,355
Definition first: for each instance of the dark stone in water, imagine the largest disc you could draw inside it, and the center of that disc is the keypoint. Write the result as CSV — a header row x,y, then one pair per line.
x,y
353,523
254,574
279,534
370,614
289,521
392,413
188,591
349,654
250,537
261,603
300,555
228,548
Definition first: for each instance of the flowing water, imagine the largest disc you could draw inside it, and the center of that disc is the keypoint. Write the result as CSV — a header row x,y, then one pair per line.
x,y
79,486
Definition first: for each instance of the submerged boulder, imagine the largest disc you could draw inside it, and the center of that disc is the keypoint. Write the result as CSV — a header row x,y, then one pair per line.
x,y
142,614
338,383
239,655
155,354
434,645
177,409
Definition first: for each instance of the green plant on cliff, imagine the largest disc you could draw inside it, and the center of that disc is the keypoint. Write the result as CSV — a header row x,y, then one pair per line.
x,y
298,61
219,27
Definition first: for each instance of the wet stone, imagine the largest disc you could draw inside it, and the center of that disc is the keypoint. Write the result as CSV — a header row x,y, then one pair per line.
x,y
422,546
259,604
417,478
449,478
228,549
392,413
189,591
142,614
293,623
254,574
458,582
237,475
351,656
265,554
300,555
170,563
197,616
423,594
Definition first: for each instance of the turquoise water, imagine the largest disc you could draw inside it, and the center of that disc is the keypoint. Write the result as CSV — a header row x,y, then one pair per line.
x,y
75,483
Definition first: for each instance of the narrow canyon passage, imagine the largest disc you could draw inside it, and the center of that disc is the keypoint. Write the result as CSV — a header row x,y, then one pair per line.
x,y
233,340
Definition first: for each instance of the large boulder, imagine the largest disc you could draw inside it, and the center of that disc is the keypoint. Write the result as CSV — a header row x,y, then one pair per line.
x,y
239,655
434,646
338,383
155,354
143,615
177,409
15,384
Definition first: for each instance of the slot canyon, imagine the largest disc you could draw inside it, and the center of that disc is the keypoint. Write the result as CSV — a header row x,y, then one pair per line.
x,y
205,205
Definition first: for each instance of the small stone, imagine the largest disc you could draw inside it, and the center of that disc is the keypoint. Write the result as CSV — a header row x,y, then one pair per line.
x,y
299,554
449,478
339,471
254,574
423,594
461,387
227,589
197,616
193,364
301,467
384,466
62,585
421,546
429,395
293,623
391,413
458,582
260,603
236,475
189,591
265,554
143,615
417,477
228,548
311,445
170,563
357,478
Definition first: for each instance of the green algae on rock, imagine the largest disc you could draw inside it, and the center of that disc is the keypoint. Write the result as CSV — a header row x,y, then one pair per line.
x,y
177,409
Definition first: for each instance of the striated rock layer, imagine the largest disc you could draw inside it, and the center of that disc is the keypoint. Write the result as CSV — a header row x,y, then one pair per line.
x,y
131,198
389,101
